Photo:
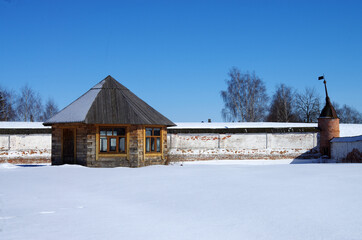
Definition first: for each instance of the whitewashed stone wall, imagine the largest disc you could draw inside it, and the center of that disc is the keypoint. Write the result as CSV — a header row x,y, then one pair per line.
x,y
25,148
30,143
340,147
204,146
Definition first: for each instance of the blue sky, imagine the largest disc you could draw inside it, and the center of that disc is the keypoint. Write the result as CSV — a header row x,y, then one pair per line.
x,y
175,55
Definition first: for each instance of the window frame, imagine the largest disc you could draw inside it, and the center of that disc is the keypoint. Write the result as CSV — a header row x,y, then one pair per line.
x,y
117,137
155,152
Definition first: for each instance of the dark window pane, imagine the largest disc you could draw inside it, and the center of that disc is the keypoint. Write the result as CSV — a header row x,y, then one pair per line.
x,y
113,145
103,145
119,132
158,143
147,144
148,131
156,132
122,145
152,144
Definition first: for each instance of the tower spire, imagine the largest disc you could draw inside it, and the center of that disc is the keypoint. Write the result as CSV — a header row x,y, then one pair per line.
x,y
325,87
328,123
328,110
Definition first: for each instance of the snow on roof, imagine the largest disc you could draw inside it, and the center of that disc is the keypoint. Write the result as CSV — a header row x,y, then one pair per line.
x,y
77,110
218,125
345,129
347,139
22,125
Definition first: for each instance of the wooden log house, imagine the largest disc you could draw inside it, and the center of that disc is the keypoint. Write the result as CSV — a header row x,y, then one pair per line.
x,y
109,126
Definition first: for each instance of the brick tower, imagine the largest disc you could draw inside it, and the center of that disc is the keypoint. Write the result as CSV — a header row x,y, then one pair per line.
x,y
328,123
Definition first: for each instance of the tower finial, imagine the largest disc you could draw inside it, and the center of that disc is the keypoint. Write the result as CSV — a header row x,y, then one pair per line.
x,y
325,84
328,110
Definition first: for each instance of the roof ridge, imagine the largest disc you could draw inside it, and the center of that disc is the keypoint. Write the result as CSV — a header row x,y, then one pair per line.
x,y
109,88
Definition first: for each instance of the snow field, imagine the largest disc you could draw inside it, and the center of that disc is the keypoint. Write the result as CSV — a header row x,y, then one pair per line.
x,y
193,201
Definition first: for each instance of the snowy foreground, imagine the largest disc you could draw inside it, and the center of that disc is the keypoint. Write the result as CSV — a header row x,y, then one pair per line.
x,y
193,201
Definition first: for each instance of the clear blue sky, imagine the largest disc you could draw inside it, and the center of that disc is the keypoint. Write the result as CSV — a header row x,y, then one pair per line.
x,y
175,55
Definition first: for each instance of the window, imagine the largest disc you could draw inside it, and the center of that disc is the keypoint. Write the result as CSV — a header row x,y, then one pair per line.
x,y
153,140
112,140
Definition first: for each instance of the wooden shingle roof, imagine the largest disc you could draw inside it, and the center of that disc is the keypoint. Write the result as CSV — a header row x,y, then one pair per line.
x,y
109,102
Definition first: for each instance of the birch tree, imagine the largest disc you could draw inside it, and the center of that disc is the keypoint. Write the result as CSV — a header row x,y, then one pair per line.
x,y
308,105
245,98
347,114
50,109
29,106
282,108
7,112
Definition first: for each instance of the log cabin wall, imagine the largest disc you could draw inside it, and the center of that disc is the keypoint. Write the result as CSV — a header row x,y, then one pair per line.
x,y
112,107
156,158
97,159
136,143
56,149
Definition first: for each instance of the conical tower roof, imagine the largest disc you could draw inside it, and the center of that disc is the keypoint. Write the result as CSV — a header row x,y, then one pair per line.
x,y
328,111
109,102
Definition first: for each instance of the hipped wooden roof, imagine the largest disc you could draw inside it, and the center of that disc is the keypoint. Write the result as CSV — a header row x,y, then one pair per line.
x,y
109,102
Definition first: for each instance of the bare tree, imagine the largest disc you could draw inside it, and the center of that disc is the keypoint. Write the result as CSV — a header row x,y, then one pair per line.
x,y
50,109
282,108
347,114
245,98
29,106
308,105
7,112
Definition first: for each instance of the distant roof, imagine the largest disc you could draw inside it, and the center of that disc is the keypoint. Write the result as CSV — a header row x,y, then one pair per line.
x,y
22,125
347,139
109,102
220,125
328,111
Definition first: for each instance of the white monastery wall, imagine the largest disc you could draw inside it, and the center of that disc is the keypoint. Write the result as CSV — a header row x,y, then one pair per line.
x,y
4,142
194,141
247,141
25,143
292,140
340,147
25,148
30,143
204,146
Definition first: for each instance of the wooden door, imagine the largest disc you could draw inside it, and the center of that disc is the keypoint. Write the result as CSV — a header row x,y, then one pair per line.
x,y
68,145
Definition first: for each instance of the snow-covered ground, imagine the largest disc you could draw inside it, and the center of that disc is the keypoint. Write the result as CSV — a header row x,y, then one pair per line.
x,y
193,201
